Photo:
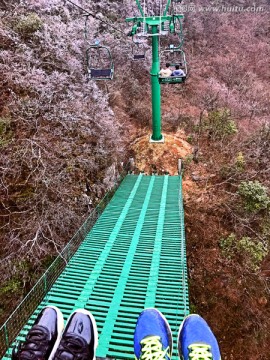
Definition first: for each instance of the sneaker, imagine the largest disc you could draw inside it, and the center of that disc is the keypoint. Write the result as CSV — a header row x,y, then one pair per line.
x,y
43,338
152,337
80,337
196,340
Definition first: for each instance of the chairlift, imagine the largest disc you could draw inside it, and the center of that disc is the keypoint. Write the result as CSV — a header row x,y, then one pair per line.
x,y
100,64
174,56
138,49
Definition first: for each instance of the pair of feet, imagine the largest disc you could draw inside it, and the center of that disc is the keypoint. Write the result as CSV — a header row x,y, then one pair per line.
x,y
46,340
153,338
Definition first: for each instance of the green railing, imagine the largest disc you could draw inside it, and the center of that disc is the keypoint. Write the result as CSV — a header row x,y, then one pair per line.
x,y
10,329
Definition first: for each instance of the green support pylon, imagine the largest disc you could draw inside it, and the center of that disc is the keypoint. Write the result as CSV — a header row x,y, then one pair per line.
x,y
152,24
156,95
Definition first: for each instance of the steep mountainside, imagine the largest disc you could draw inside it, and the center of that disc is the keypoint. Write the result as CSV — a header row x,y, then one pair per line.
x,y
63,140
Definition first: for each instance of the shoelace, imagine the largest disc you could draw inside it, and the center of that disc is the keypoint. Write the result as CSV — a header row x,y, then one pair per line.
x,y
152,349
36,341
200,352
73,345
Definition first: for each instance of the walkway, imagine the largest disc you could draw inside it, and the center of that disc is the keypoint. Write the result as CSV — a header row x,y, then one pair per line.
x,y
134,257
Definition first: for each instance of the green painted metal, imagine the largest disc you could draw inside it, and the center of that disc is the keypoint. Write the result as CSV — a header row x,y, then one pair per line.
x,y
153,25
100,263
167,7
155,86
140,7
153,273
165,10
134,257
123,278
172,80
154,20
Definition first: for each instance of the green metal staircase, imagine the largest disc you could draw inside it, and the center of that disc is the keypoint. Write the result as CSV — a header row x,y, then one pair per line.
x,y
134,257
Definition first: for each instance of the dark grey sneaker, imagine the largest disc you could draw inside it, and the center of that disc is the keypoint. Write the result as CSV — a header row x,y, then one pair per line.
x,y
80,337
43,338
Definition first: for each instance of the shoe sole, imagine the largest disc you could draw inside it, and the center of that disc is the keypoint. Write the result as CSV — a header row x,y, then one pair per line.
x,y
60,328
86,312
178,335
167,324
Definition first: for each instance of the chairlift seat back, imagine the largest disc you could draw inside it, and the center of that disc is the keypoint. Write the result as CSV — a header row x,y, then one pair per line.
x,y
99,62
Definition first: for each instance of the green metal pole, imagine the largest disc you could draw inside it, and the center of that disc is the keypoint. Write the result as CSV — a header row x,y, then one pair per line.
x,y
140,7
167,7
156,102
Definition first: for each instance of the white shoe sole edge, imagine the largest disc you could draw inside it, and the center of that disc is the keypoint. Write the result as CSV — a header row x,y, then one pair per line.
x,y
60,328
179,331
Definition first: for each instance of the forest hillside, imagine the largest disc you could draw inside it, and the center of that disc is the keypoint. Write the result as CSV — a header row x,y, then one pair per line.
x,y
64,140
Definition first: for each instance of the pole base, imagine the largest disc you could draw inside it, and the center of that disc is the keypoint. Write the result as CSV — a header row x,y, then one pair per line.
x,y
162,140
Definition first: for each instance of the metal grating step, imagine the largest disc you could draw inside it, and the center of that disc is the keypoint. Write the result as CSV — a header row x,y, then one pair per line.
x,y
134,257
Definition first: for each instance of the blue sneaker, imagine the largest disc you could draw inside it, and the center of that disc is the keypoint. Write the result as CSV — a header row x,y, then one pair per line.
x,y
196,340
152,337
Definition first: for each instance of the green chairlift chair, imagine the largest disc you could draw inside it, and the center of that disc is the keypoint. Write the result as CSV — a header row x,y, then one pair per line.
x,y
138,48
100,64
174,56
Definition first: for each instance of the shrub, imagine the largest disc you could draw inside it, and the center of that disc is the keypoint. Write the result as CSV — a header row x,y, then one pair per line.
x,y
254,195
10,286
28,25
188,159
227,245
5,131
220,124
251,250
255,251
240,162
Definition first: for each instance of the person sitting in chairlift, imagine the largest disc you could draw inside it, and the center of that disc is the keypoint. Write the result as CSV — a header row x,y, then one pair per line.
x,y
178,72
167,72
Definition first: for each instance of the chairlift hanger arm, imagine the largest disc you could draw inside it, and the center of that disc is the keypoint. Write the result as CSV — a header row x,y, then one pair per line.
x,y
154,20
165,11
140,8
167,7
